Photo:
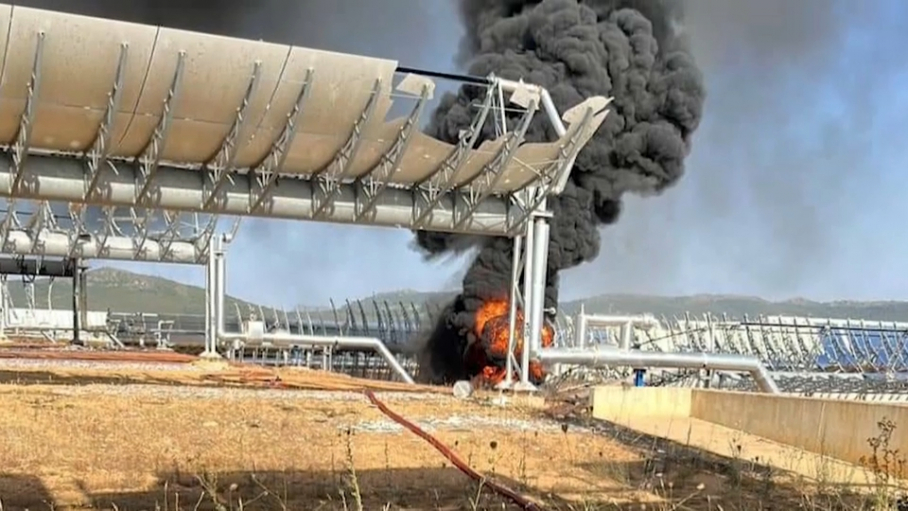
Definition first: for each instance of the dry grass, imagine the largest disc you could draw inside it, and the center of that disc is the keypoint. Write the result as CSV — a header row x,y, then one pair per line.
x,y
135,447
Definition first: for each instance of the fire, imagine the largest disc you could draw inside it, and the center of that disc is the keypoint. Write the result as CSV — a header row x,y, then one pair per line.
x,y
487,357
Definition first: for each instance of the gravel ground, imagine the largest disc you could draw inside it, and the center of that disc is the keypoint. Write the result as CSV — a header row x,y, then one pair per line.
x,y
467,423
21,363
233,393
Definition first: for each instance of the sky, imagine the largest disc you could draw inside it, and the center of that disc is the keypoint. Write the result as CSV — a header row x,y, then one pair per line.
x,y
794,188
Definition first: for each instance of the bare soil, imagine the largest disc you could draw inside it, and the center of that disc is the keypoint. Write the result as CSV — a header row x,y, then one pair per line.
x,y
110,437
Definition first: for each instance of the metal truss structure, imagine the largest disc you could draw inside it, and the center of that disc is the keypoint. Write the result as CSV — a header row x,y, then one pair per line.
x,y
44,229
182,121
149,119
804,355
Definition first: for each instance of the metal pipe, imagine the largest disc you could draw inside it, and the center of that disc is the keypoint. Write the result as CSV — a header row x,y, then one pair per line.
x,y
512,308
627,334
554,118
58,244
363,343
527,301
540,262
220,279
209,305
61,178
457,77
639,359
580,328
312,341
77,326
642,321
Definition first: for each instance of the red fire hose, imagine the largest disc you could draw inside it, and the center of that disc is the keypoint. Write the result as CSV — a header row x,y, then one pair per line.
x,y
507,493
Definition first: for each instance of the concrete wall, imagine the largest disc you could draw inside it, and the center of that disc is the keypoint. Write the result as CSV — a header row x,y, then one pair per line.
x,y
836,428
618,404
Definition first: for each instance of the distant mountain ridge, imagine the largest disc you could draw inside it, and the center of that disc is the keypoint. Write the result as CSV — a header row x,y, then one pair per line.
x,y
123,291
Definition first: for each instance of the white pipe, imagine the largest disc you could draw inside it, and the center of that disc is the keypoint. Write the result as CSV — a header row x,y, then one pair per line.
x,y
57,244
61,178
220,278
356,343
512,308
540,262
642,321
527,325
363,343
579,322
637,358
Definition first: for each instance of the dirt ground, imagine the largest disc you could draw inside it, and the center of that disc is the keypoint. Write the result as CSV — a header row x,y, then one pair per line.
x,y
140,439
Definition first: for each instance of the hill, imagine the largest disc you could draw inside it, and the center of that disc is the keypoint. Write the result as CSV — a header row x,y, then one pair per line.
x,y
123,291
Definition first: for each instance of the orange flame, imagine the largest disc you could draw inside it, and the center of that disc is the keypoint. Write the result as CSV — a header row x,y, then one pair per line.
x,y
489,355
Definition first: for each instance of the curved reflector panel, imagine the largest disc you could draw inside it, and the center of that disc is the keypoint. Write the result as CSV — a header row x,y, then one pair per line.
x,y
166,100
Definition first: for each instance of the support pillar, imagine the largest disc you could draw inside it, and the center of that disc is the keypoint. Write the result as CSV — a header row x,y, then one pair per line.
x,y
534,273
508,382
209,292
530,238
82,275
220,278
77,312
215,290
540,265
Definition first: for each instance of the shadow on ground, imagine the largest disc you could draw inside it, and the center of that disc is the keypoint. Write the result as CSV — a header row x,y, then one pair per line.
x,y
692,478
23,492
51,378
443,488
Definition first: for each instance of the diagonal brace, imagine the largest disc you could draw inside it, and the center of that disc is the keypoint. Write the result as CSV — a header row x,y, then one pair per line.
x,y
330,179
483,184
267,171
96,156
441,182
150,158
567,155
27,120
221,163
377,179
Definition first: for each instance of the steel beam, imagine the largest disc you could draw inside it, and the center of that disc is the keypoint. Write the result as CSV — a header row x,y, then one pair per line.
x,y
59,178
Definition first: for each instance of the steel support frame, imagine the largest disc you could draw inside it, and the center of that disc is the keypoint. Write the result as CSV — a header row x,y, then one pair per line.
x,y
371,185
326,184
535,242
266,173
441,203
429,193
482,185
177,189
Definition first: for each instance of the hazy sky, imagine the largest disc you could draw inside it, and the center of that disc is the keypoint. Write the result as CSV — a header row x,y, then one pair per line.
x,y
795,186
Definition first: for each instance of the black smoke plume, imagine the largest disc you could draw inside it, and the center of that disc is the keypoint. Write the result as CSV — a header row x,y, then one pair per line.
x,y
632,50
